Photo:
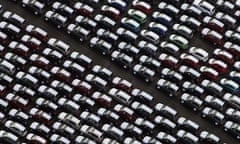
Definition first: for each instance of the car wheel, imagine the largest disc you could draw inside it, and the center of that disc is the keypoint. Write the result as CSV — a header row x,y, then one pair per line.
x,y
125,66
68,32
46,19
58,26
194,109
23,5
181,102
103,53
147,80
134,73
36,13
112,59
238,137
203,116
225,129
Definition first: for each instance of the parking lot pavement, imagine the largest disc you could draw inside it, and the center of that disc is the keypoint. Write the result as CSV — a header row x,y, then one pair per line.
x,y
105,61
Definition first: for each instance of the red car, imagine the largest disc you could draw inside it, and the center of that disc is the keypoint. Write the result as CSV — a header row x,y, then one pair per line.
x,y
122,84
189,60
212,36
19,48
168,60
40,61
214,24
209,73
232,48
41,116
83,87
111,12
102,99
17,101
83,9
37,32
224,55
141,5
31,42
61,74
125,112
3,38
219,65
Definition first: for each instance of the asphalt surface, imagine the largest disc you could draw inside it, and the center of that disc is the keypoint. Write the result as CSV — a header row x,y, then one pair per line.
x,y
126,74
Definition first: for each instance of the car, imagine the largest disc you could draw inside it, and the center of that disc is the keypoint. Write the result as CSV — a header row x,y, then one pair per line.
x,y
105,21
189,72
232,128
192,88
128,48
84,101
168,60
113,131
171,88
61,74
56,138
126,34
130,24
179,41
232,48
40,115
158,28
61,87
189,60
16,59
5,79
46,104
234,75
187,137
165,111
141,96
150,62
218,65
169,47
205,6
146,73
7,67
102,99
59,45
164,124
199,53
31,137
53,55
63,129
82,86
130,129
191,101
14,18
86,22
31,42
8,137
102,72
69,119
130,140
225,6
214,102
110,11
27,79
119,4
107,35
214,24
90,118
148,48
84,140
232,36
4,38
48,92
212,36
146,125
227,19
10,29
120,96
233,114
18,115
122,84
37,32
183,30
213,115
63,9
209,72
142,5
23,90
16,127
101,45
40,128
232,100
34,5
78,31
69,105
191,10
138,15
166,138
150,140
212,87
125,112
19,48
191,22
208,137
171,75
150,36
230,85
187,124
122,58
169,9
83,9
162,18
81,59
57,19
108,115
236,65
142,109
96,81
